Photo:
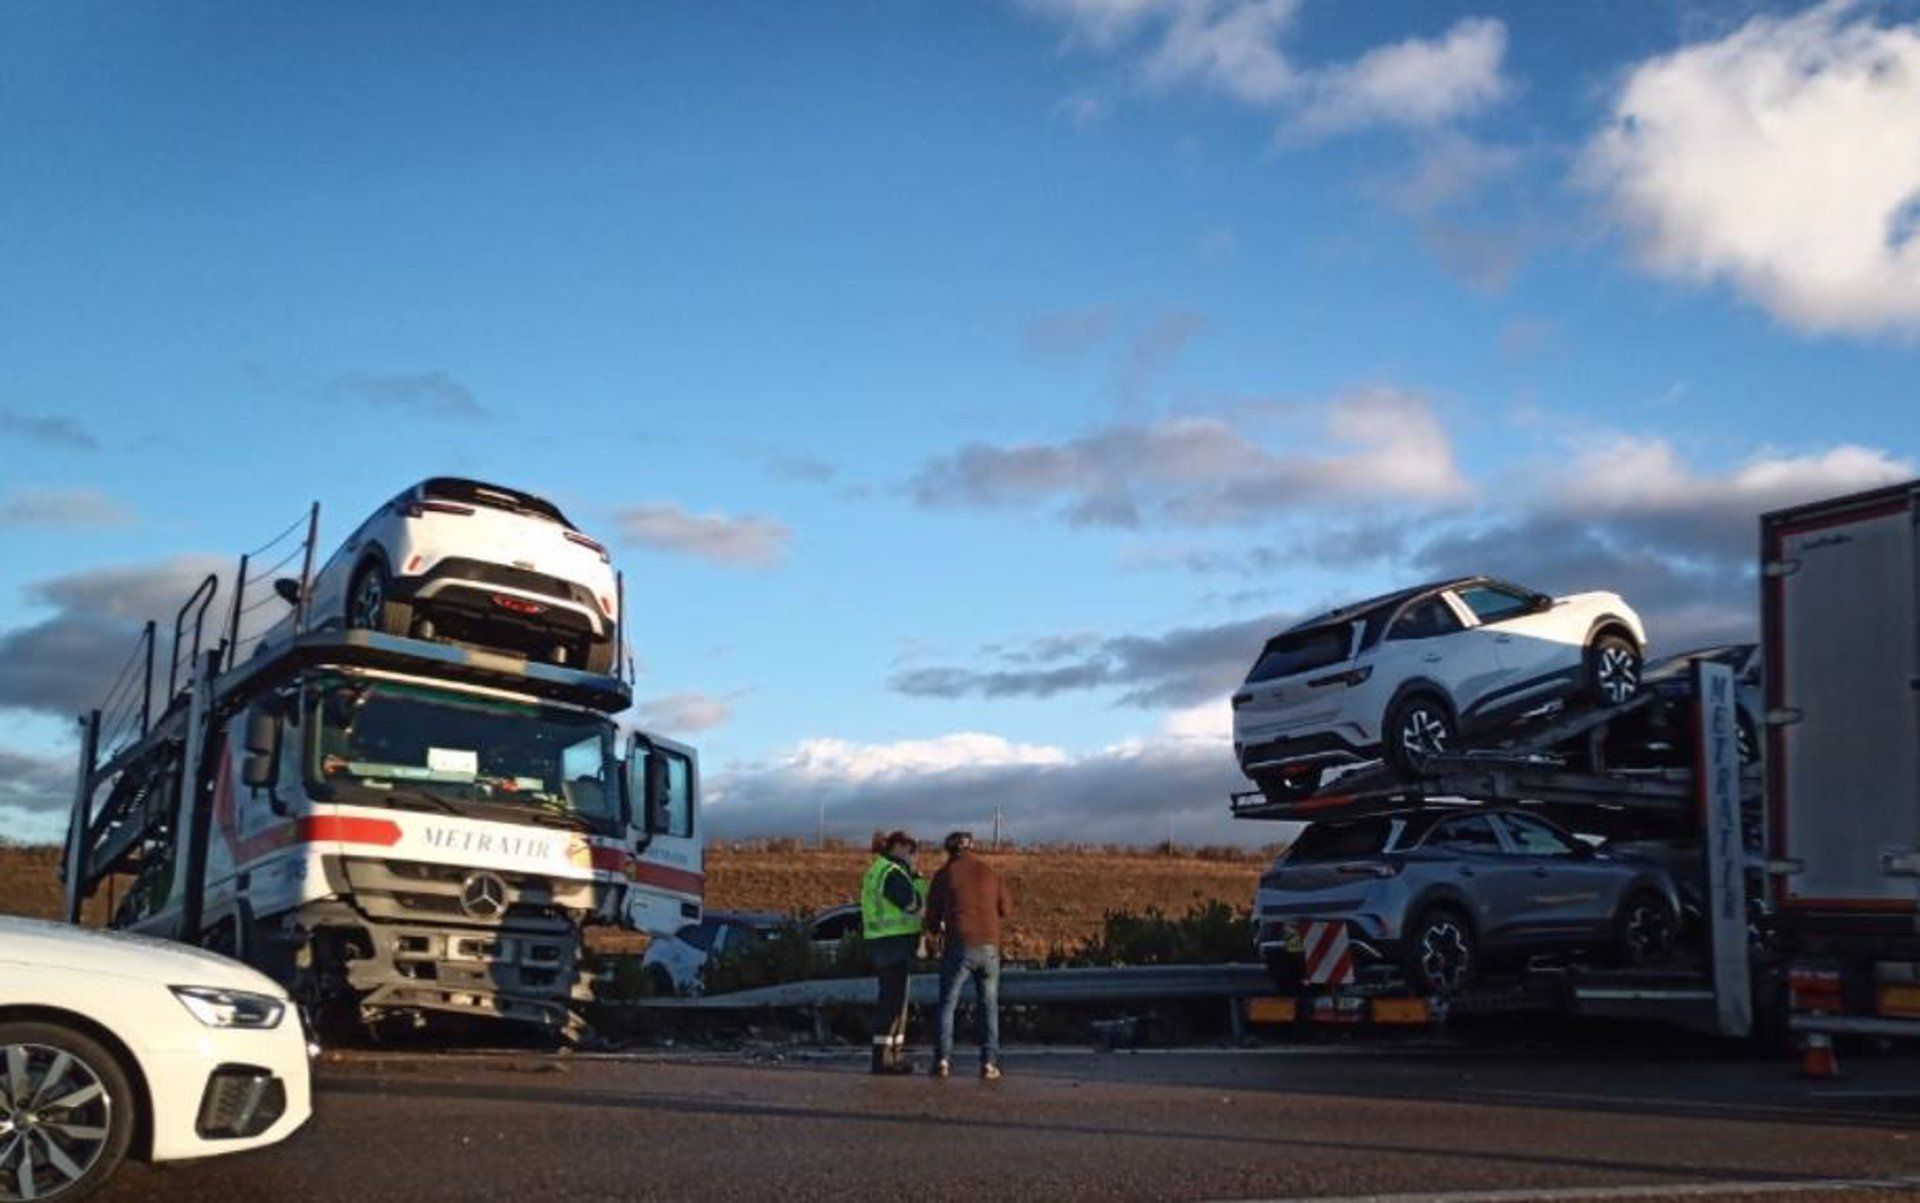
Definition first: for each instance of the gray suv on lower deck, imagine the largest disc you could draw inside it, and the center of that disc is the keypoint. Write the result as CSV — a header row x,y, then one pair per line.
x,y
1439,892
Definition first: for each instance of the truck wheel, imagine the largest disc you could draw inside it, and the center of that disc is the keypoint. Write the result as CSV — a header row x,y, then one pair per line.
x,y
370,608
1442,954
1645,930
1291,785
1613,670
1417,727
69,1108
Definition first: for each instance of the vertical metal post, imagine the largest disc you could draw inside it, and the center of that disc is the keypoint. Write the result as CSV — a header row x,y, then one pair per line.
x,y
194,798
146,692
1717,788
622,668
82,819
239,601
306,569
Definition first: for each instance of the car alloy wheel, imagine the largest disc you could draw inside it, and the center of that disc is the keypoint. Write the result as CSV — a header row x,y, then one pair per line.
x,y
1446,955
1424,732
1617,672
1647,930
369,601
56,1116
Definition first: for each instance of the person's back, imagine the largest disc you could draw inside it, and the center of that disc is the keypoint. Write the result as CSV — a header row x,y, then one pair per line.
x,y
972,902
967,905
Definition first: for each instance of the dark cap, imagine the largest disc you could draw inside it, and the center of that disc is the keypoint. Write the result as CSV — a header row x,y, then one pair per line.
x,y
892,838
957,842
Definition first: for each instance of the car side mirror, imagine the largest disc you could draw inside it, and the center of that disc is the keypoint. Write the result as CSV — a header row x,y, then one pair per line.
x,y
262,764
288,589
1542,602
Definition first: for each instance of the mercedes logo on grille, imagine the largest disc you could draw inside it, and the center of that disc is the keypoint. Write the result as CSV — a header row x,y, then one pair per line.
x,y
483,895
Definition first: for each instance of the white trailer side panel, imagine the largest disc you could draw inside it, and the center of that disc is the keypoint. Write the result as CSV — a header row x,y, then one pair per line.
x,y
1843,655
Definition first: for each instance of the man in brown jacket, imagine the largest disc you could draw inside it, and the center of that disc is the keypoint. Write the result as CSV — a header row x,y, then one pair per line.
x,y
965,905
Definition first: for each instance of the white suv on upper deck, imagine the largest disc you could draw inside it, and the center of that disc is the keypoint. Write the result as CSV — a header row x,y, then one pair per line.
x,y
1402,676
477,563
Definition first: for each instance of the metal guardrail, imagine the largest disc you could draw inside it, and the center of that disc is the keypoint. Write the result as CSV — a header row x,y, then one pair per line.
x,y
1134,983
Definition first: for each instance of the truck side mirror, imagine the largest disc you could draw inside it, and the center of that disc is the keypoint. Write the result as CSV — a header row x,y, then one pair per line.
x,y
659,795
288,589
262,766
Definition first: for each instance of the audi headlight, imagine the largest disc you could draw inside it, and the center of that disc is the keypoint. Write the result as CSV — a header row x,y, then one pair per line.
x,y
220,1008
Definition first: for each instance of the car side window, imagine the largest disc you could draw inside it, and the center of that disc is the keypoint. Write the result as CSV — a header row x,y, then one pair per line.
x,y
835,926
1426,620
1469,834
1534,838
1494,603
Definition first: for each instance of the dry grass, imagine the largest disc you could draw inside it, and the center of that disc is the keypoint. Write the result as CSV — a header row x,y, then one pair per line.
x,y
1060,894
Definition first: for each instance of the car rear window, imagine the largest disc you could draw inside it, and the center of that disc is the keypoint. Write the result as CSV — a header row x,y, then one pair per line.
x,y
1303,651
1341,841
472,492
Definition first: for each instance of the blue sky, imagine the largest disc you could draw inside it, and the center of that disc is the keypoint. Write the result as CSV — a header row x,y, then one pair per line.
x,y
963,387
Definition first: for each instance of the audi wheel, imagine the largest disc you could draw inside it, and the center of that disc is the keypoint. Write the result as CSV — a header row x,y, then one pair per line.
x,y
67,1112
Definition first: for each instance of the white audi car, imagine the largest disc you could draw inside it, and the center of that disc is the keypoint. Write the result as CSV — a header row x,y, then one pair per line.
x,y
116,1046
474,563
1402,677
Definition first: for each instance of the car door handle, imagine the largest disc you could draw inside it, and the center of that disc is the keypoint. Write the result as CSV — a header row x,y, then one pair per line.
x,y
1503,639
1433,657
1466,870
1540,871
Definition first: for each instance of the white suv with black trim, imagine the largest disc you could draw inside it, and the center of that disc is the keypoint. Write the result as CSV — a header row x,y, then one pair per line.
x,y
1403,676
475,563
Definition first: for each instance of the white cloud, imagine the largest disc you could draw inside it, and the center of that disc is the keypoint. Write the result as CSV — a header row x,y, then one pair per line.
x,y
1420,82
1232,47
1783,159
747,542
68,661
1237,48
63,509
839,759
1450,170
1376,444
685,713
1646,488
1126,793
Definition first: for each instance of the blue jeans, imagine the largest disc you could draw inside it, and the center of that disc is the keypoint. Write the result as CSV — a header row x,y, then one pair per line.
x,y
981,963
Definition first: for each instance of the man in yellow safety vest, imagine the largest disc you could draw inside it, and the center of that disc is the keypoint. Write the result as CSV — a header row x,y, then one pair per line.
x,y
892,901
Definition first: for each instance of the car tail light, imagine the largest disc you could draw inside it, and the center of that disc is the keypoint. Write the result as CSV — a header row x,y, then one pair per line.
x,y
1352,676
1367,868
413,564
420,509
606,605
517,605
592,545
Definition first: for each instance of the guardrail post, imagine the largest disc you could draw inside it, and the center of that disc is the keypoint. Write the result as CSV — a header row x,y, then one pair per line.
x,y
1237,1018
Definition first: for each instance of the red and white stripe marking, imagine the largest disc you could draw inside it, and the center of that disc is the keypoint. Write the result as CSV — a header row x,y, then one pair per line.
x,y
1329,957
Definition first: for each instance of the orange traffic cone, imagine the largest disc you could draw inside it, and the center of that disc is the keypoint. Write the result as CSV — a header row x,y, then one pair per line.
x,y
1818,1060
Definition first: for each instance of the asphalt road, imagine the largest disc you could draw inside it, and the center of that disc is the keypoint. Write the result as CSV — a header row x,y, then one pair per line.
x,y
1278,1122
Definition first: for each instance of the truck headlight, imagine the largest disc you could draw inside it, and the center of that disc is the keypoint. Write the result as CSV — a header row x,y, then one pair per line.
x,y
220,1008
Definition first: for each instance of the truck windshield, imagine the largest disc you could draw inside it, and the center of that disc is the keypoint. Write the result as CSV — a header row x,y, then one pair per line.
x,y
418,747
